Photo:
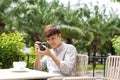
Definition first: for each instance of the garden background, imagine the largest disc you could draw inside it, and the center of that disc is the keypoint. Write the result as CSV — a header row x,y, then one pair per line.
x,y
91,29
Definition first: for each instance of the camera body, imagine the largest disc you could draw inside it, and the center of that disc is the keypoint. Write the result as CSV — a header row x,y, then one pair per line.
x,y
42,44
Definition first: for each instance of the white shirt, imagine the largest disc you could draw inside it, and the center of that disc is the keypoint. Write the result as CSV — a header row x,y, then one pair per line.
x,y
67,54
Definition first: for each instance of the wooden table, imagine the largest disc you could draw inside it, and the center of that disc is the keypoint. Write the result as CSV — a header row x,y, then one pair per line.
x,y
10,74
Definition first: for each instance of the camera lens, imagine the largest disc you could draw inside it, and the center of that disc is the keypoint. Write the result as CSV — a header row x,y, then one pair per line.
x,y
42,48
42,44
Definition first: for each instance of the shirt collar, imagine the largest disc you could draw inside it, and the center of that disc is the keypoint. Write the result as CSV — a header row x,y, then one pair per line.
x,y
59,48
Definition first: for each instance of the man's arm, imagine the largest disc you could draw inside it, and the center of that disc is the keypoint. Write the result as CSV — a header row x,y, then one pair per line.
x,y
67,66
37,60
55,59
37,63
48,53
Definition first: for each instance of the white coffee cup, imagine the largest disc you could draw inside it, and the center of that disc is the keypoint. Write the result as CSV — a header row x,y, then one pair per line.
x,y
19,65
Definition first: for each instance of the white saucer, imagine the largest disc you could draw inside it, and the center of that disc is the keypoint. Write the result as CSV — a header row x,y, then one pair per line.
x,y
19,70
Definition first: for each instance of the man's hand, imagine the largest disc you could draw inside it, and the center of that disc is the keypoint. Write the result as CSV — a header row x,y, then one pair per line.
x,y
37,49
45,52
39,52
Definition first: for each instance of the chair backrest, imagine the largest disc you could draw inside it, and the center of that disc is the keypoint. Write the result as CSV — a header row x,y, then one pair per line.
x,y
79,78
112,68
81,65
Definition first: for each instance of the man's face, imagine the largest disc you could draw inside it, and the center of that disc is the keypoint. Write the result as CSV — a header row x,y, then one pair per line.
x,y
54,41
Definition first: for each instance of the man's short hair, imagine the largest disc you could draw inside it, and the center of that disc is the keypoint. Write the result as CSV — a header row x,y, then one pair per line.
x,y
51,30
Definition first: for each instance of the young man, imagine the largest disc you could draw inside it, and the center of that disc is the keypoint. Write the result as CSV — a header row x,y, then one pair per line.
x,y
61,59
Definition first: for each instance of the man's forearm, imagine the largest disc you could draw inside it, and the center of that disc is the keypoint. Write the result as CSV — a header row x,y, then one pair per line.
x,y
56,60
37,63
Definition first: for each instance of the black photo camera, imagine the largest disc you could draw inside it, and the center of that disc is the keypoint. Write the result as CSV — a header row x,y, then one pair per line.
x,y
42,44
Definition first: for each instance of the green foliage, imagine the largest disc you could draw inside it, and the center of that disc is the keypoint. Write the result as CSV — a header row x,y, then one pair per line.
x,y
72,32
31,58
11,43
11,46
116,44
31,17
84,25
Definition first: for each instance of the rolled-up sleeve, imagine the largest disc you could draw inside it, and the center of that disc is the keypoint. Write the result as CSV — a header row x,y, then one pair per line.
x,y
67,66
43,63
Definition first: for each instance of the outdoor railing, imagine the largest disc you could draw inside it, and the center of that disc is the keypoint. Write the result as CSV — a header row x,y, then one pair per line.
x,y
94,60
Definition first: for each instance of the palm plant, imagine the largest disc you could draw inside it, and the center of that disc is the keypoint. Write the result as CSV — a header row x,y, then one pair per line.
x,y
31,16
3,6
88,30
94,32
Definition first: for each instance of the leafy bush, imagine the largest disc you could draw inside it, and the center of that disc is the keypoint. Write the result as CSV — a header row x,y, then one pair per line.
x,y
116,44
11,46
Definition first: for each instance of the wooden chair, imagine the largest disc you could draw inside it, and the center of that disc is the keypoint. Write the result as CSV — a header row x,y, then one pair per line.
x,y
79,78
112,68
81,65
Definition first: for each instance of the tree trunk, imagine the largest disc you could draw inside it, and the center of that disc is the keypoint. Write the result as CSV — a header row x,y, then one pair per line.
x,y
95,45
88,51
112,49
2,27
37,37
69,41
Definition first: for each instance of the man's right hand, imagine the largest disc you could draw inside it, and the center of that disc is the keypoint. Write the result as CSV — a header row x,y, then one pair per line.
x,y
37,49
